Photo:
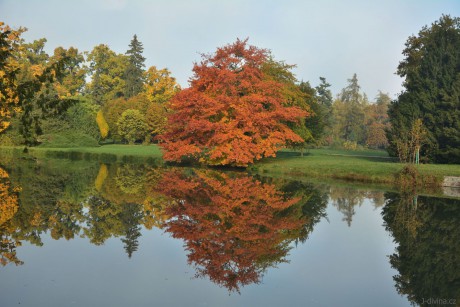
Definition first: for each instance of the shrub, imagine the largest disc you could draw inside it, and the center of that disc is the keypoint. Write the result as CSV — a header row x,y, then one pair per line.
x,y
131,126
67,139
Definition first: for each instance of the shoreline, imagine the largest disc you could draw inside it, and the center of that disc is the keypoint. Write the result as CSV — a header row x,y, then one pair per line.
x,y
352,167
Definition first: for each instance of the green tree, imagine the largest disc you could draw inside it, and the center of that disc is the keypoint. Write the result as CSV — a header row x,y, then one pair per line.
x,y
106,69
72,79
36,92
299,95
316,122
82,118
134,72
349,116
354,102
131,126
113,109
325,101
431,69
324,94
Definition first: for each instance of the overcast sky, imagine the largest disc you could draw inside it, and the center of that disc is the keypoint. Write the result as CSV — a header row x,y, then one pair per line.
x,y
329,38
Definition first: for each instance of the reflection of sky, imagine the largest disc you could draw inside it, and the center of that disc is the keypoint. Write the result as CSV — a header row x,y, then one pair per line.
x,y
337,266
332,38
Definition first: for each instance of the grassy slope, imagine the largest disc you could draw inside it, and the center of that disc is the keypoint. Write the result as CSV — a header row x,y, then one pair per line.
x,y
365,166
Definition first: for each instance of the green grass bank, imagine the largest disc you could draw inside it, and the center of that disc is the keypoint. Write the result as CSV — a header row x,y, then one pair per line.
x,y
366,166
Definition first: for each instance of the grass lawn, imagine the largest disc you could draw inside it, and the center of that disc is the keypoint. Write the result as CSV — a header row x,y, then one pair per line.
x,y
365,166
106,153
118,150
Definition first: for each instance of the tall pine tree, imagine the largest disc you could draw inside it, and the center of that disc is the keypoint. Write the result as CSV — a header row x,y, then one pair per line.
x,y
134,73
354,103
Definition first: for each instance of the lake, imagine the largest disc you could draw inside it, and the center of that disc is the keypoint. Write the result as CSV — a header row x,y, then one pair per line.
x,y
90,232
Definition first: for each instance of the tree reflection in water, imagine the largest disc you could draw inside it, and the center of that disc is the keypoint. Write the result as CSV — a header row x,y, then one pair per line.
x,y
427,258
233,225
8,208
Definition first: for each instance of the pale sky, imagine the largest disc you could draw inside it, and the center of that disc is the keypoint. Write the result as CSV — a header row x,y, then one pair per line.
x,y
329,38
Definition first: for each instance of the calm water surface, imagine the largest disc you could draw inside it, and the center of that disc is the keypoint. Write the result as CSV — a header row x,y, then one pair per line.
x,y
86,233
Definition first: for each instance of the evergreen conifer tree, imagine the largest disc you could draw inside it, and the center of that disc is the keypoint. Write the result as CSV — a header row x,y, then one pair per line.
x,y
431,69
134,73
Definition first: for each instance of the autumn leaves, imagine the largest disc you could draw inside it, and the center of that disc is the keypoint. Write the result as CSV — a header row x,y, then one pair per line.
x,y
232,114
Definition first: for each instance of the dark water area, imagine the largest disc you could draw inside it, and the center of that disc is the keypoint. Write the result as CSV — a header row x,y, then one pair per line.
x,y
92,233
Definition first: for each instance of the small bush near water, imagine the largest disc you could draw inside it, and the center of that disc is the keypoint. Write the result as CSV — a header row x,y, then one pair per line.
x,y
67,139
410,178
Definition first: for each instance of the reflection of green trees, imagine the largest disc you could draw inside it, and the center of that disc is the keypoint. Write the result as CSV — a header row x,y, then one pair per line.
x,y
8,247
233,225
46,201
345,199
130,179
60,196
131,218
102,220
125,183
67,199
428,254
106,219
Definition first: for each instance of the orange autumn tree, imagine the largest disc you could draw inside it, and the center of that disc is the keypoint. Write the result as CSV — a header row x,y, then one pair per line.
x,y
232,114
234,227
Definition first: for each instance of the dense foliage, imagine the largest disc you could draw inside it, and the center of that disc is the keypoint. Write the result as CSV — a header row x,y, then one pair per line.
x,y
241,105
431,69
232,113
241,226
427,256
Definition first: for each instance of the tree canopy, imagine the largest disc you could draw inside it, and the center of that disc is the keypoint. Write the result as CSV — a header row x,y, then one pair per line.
x,y
431,69
134,73
232,113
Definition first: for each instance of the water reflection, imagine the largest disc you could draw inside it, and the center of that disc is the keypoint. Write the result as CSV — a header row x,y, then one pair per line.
x,y
233,225
8,208
427,258
346,199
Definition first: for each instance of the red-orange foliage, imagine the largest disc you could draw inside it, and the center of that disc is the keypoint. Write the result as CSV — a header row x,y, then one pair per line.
x,y
234,227
232,114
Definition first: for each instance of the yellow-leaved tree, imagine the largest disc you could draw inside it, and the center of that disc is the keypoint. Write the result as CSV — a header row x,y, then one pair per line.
x,y
160,87
9,67
8,198
102,124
